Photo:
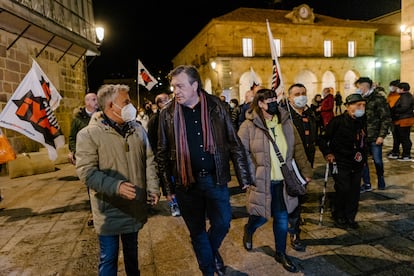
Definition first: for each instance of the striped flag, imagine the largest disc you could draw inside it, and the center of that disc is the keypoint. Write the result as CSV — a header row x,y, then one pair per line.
x,y
277,81
145,78
30,111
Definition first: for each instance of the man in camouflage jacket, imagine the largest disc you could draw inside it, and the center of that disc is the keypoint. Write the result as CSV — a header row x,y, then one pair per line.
x,y
378,118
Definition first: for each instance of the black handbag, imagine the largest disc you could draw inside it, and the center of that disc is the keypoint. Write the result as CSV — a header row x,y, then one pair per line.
x,y
294,181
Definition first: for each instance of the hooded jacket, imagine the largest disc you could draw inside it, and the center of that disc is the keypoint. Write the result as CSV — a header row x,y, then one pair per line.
x,y
257,147
105,159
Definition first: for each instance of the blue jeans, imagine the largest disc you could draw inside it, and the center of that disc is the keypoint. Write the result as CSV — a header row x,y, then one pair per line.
x,y
280,218
205,198
376,152
108,256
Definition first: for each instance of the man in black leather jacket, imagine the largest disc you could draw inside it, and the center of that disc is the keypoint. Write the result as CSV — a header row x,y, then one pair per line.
x,y
195,144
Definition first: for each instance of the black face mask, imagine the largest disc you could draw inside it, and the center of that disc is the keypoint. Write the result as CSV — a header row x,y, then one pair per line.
x,y
272,108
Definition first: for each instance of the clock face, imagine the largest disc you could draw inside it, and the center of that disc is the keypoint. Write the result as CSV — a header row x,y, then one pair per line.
x,y
303,12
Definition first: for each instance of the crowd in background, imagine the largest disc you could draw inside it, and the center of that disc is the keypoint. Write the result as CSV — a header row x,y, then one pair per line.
x,y
190,139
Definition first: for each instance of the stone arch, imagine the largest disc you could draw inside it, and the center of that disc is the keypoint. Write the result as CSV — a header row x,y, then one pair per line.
x,y
244,84
349,79
309,80
329,80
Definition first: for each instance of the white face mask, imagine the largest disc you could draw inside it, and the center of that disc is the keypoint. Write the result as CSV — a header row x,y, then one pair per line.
x,y
300,101
358,91
128,112
359,113
232,105
142,114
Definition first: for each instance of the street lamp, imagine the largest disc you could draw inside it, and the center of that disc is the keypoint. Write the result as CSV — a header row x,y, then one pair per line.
x,y
100,33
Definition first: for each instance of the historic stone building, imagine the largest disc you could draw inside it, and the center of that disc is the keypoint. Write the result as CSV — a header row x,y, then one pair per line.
x,y
407,42
58,35
316,50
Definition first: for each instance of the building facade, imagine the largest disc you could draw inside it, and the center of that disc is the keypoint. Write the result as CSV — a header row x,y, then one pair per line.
x,y
407,41
316,50
58,35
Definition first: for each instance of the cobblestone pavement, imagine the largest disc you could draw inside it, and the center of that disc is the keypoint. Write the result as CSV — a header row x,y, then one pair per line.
x,y
43,231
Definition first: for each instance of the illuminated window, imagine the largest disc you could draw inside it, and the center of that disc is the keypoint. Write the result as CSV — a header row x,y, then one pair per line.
x,y
327,48
351,48
277,45
247,47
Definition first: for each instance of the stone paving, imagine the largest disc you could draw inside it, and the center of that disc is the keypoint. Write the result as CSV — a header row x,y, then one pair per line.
x,y
43,231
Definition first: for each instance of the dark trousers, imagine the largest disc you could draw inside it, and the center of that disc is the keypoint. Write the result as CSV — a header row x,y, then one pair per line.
x,y
108,256
280,218
347,191
294,218
401,136
205,198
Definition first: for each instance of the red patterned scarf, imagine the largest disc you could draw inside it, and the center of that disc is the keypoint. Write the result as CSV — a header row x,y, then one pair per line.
x,y
180,132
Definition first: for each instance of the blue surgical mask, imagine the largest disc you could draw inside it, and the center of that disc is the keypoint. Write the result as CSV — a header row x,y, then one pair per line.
x,y
359,113
300,101
358,91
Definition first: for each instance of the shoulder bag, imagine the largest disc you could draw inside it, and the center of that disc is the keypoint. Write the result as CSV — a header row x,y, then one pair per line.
x,y
294,181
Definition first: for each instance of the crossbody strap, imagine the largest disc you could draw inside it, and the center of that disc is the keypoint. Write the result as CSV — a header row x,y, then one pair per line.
x,y
278,153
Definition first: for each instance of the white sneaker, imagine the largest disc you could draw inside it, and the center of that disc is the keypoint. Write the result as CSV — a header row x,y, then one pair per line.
x,y
405,158
175,210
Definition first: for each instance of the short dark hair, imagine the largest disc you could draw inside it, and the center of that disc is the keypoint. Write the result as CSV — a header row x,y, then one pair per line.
x,y
404,86
394,82
364,79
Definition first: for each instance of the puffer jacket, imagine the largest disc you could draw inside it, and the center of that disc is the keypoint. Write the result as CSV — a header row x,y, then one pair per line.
x,y
105,159
257,147
378,116
80,120
227,143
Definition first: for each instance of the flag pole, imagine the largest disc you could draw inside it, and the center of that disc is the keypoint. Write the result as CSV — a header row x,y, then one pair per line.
x,y
138,86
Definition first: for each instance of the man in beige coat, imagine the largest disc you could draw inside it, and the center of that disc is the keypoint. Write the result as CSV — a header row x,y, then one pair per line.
x,y
116,162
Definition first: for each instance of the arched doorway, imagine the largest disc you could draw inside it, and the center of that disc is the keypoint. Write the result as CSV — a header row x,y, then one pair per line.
x,y
329,80
349,80
309,80
245,84
207,86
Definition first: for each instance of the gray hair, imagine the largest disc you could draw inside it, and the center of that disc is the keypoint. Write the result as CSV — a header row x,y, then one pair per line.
x,y
108,92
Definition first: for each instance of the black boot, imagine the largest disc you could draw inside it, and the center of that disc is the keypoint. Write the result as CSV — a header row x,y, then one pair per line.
x,y
297,244
247,239
286,262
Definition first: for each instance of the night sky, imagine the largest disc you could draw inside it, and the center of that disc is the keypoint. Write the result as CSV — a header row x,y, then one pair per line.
x,y
156,30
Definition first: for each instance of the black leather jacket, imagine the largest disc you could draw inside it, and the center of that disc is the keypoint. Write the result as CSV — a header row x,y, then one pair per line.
x,y
228,146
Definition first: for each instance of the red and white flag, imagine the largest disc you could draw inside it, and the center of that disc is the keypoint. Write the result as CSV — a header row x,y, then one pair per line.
x,y
277,81
145,78
30,111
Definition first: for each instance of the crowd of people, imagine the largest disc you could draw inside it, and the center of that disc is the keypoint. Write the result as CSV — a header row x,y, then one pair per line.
x,y
185,145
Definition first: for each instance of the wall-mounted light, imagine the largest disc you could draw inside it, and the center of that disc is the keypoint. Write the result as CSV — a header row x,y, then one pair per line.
x,y
213,65
100,34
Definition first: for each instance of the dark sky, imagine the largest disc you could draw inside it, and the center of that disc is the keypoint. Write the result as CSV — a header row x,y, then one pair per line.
x,y
157,30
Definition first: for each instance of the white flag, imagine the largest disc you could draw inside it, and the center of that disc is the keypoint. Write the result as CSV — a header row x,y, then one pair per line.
x,y
145,78
254,80
277,81
30,111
